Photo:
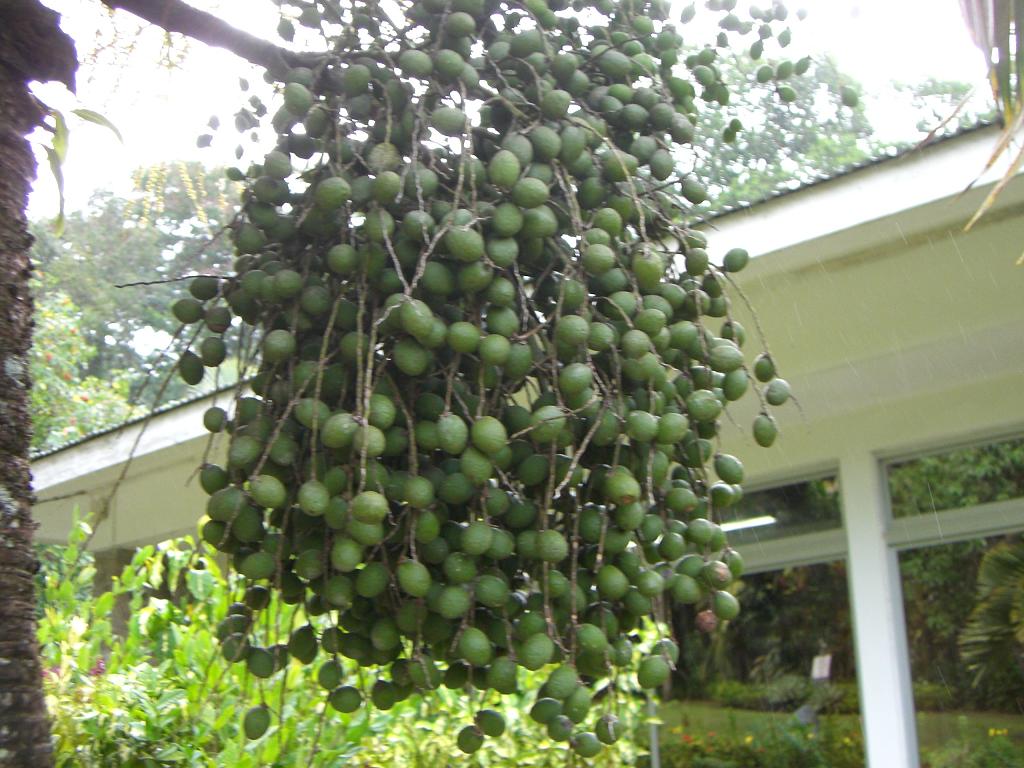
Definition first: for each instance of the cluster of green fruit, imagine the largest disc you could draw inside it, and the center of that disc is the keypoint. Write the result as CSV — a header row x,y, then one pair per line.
x,y
483,431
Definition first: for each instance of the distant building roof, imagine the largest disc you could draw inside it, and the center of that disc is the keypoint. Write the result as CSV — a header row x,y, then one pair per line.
x,y
896,152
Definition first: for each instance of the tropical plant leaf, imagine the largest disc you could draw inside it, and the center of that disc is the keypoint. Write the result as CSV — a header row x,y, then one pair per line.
x,y
1018,45
993,639
60,135
95,117
990,199
1001,566
997,28
1005,138
56,163
1001,64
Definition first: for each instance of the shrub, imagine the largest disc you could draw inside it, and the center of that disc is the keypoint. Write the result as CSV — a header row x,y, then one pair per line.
x,y
162,695
733,693
998,751
932,697
791,745
713,762
787,692
836,698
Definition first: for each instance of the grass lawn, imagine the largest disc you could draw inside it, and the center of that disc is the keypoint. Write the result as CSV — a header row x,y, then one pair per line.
x,y
934,729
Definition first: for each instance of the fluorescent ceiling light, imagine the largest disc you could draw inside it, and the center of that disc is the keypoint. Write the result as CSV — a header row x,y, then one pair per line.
x,y
753,522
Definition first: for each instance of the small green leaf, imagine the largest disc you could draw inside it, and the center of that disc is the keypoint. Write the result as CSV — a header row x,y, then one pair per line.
x,y
60,135
58,176
271,751
103,604
200,583
227,713
70,554
98,119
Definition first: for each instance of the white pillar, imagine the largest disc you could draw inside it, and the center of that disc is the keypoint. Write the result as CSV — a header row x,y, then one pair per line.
x,y
876,602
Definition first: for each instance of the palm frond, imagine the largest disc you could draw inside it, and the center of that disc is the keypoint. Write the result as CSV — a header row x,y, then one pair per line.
x,y
997,28
1002,566
992,641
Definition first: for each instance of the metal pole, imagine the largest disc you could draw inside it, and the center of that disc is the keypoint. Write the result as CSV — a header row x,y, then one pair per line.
x,y
652,717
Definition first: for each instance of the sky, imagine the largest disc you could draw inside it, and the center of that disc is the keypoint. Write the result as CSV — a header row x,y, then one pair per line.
x,y
161,110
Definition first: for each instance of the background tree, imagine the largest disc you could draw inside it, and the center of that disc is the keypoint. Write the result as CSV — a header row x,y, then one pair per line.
x,y
65,402
782,144
960,590
170,225
937,100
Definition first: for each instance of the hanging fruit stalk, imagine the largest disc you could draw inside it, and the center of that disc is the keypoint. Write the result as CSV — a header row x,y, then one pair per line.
x,y
492,370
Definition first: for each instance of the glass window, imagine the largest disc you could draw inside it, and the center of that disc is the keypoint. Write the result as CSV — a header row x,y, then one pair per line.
x,y
788,510
744,694
963,633
966,664
959,478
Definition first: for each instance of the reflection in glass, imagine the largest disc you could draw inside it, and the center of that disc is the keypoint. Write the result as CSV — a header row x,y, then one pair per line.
x,y
789,510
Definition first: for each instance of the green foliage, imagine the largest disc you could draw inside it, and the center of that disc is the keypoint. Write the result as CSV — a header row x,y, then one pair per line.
x,y
789,613
734,693
947,594
788,617
960,478
163,229
788,692
784,144
938,591
155,695
992,642
162,695
836,698
784,744
784,693
57,150
65,403
933,697
938,100
997,751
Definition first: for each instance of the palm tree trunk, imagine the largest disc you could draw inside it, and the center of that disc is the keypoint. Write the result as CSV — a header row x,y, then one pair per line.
x,y
32,47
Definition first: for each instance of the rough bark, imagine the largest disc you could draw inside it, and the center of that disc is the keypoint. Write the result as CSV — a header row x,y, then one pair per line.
x,y
32,47
176,16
